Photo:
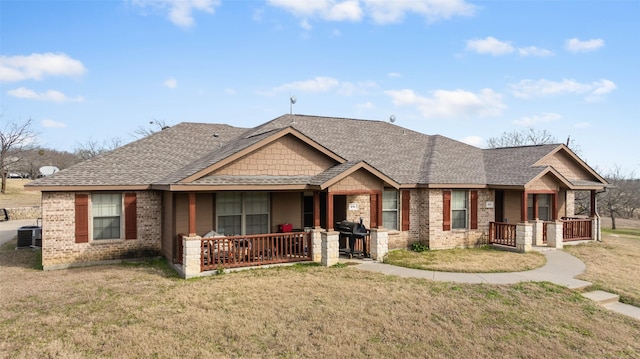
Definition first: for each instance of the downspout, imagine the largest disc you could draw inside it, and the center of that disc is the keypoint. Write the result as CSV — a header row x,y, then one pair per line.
x,y
598,221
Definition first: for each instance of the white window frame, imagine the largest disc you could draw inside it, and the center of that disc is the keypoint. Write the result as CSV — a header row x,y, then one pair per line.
x,y
243,212
93,211
395,210
464,209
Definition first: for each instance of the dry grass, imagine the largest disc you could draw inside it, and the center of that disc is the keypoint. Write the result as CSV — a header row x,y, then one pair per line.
x,y
471,260
16,196
302,311
612,265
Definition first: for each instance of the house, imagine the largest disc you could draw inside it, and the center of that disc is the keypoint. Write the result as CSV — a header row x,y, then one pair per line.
x,y
211,196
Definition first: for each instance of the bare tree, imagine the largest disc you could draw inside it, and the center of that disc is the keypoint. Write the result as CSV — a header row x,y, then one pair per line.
x,y
527,137
156,125
15,137
622,198
92,148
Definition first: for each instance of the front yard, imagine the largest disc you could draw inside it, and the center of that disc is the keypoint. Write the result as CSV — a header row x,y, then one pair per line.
x,y
143,310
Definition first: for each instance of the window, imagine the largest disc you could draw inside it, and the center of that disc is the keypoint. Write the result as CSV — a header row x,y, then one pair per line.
x,y
242,213
544,206
458,209
106,210
390,209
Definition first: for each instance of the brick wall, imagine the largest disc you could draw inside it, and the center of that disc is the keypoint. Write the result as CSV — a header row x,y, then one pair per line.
x,y
439,239
59,249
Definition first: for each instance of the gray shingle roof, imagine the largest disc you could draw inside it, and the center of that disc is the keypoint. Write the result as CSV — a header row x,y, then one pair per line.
x,y
406,156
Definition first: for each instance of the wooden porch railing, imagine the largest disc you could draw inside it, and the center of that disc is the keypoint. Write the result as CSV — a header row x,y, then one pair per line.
x,y
253,250
177,249
576,229
502,233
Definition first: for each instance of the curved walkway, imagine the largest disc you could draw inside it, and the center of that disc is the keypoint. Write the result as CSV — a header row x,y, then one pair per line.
x,y
561,268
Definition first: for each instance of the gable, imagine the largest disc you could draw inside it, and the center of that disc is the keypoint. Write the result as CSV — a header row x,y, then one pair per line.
x,y
286,156
548,182
358,181
567,166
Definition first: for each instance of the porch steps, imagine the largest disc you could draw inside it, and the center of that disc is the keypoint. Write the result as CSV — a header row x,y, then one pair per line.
x,y
611,302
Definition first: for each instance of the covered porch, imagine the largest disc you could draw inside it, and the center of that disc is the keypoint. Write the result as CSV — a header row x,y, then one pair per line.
x,y
546,219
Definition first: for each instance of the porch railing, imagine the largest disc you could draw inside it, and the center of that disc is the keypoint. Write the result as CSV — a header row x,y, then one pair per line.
x,y
576,229
254,250
502,233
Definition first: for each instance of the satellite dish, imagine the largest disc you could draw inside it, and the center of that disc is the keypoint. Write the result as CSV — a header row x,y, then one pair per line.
x,y
293,100
48,170
392,119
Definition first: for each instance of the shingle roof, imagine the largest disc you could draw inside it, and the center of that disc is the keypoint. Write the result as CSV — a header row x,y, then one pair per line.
x,y
406,156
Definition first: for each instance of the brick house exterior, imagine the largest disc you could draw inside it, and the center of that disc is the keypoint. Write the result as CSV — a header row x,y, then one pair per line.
x,y
306,171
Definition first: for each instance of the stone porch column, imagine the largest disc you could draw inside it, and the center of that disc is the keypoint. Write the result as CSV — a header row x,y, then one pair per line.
x,y
554,235
538,232
595,229
330,248
379,243
524,236
316,245
191,253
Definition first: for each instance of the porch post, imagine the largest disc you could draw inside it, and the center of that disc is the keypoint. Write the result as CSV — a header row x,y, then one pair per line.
x,y
192,214
524,237
523,207
379,209
592,204
330,212
554,235
373,215
316,209
379,243
536,215
330,248
538,226
554,206
192,256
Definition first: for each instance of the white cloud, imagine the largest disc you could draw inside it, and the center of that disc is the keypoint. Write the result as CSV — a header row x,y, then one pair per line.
x,y
48,123
229,91
456,103
384,11
540,88
582,125
305,25
49,95
322,84
490,45
394,75
534,51
38,66
171,83
180,12
533,120
576,45
380,11
366,106
473,141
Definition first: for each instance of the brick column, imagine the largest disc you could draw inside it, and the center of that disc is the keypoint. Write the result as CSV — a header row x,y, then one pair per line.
x,y
330,248
192,253
538,226
316,245
379,243
554,235
524,236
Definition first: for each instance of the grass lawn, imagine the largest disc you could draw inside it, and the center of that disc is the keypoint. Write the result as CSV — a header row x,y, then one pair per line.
x,y
16,196
143,310
473,260
613,265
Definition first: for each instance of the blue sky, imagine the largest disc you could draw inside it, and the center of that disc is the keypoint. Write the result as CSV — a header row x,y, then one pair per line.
x,y
468,70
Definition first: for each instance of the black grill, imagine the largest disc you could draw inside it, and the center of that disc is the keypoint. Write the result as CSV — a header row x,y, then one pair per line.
x,y
353,231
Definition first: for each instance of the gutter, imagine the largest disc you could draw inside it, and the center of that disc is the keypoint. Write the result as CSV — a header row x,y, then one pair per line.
x,y
598,220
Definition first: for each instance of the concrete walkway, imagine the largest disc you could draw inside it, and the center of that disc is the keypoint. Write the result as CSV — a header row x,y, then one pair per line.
x,y
561,268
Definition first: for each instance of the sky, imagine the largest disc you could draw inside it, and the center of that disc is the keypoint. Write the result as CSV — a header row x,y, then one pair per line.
x,y
93,71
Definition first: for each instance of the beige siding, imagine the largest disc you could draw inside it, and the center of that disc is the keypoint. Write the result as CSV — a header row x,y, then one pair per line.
x,y
360,180
512,206
567,166
168,225
58,232
182,213
547,182
204,213
287,156
286,207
